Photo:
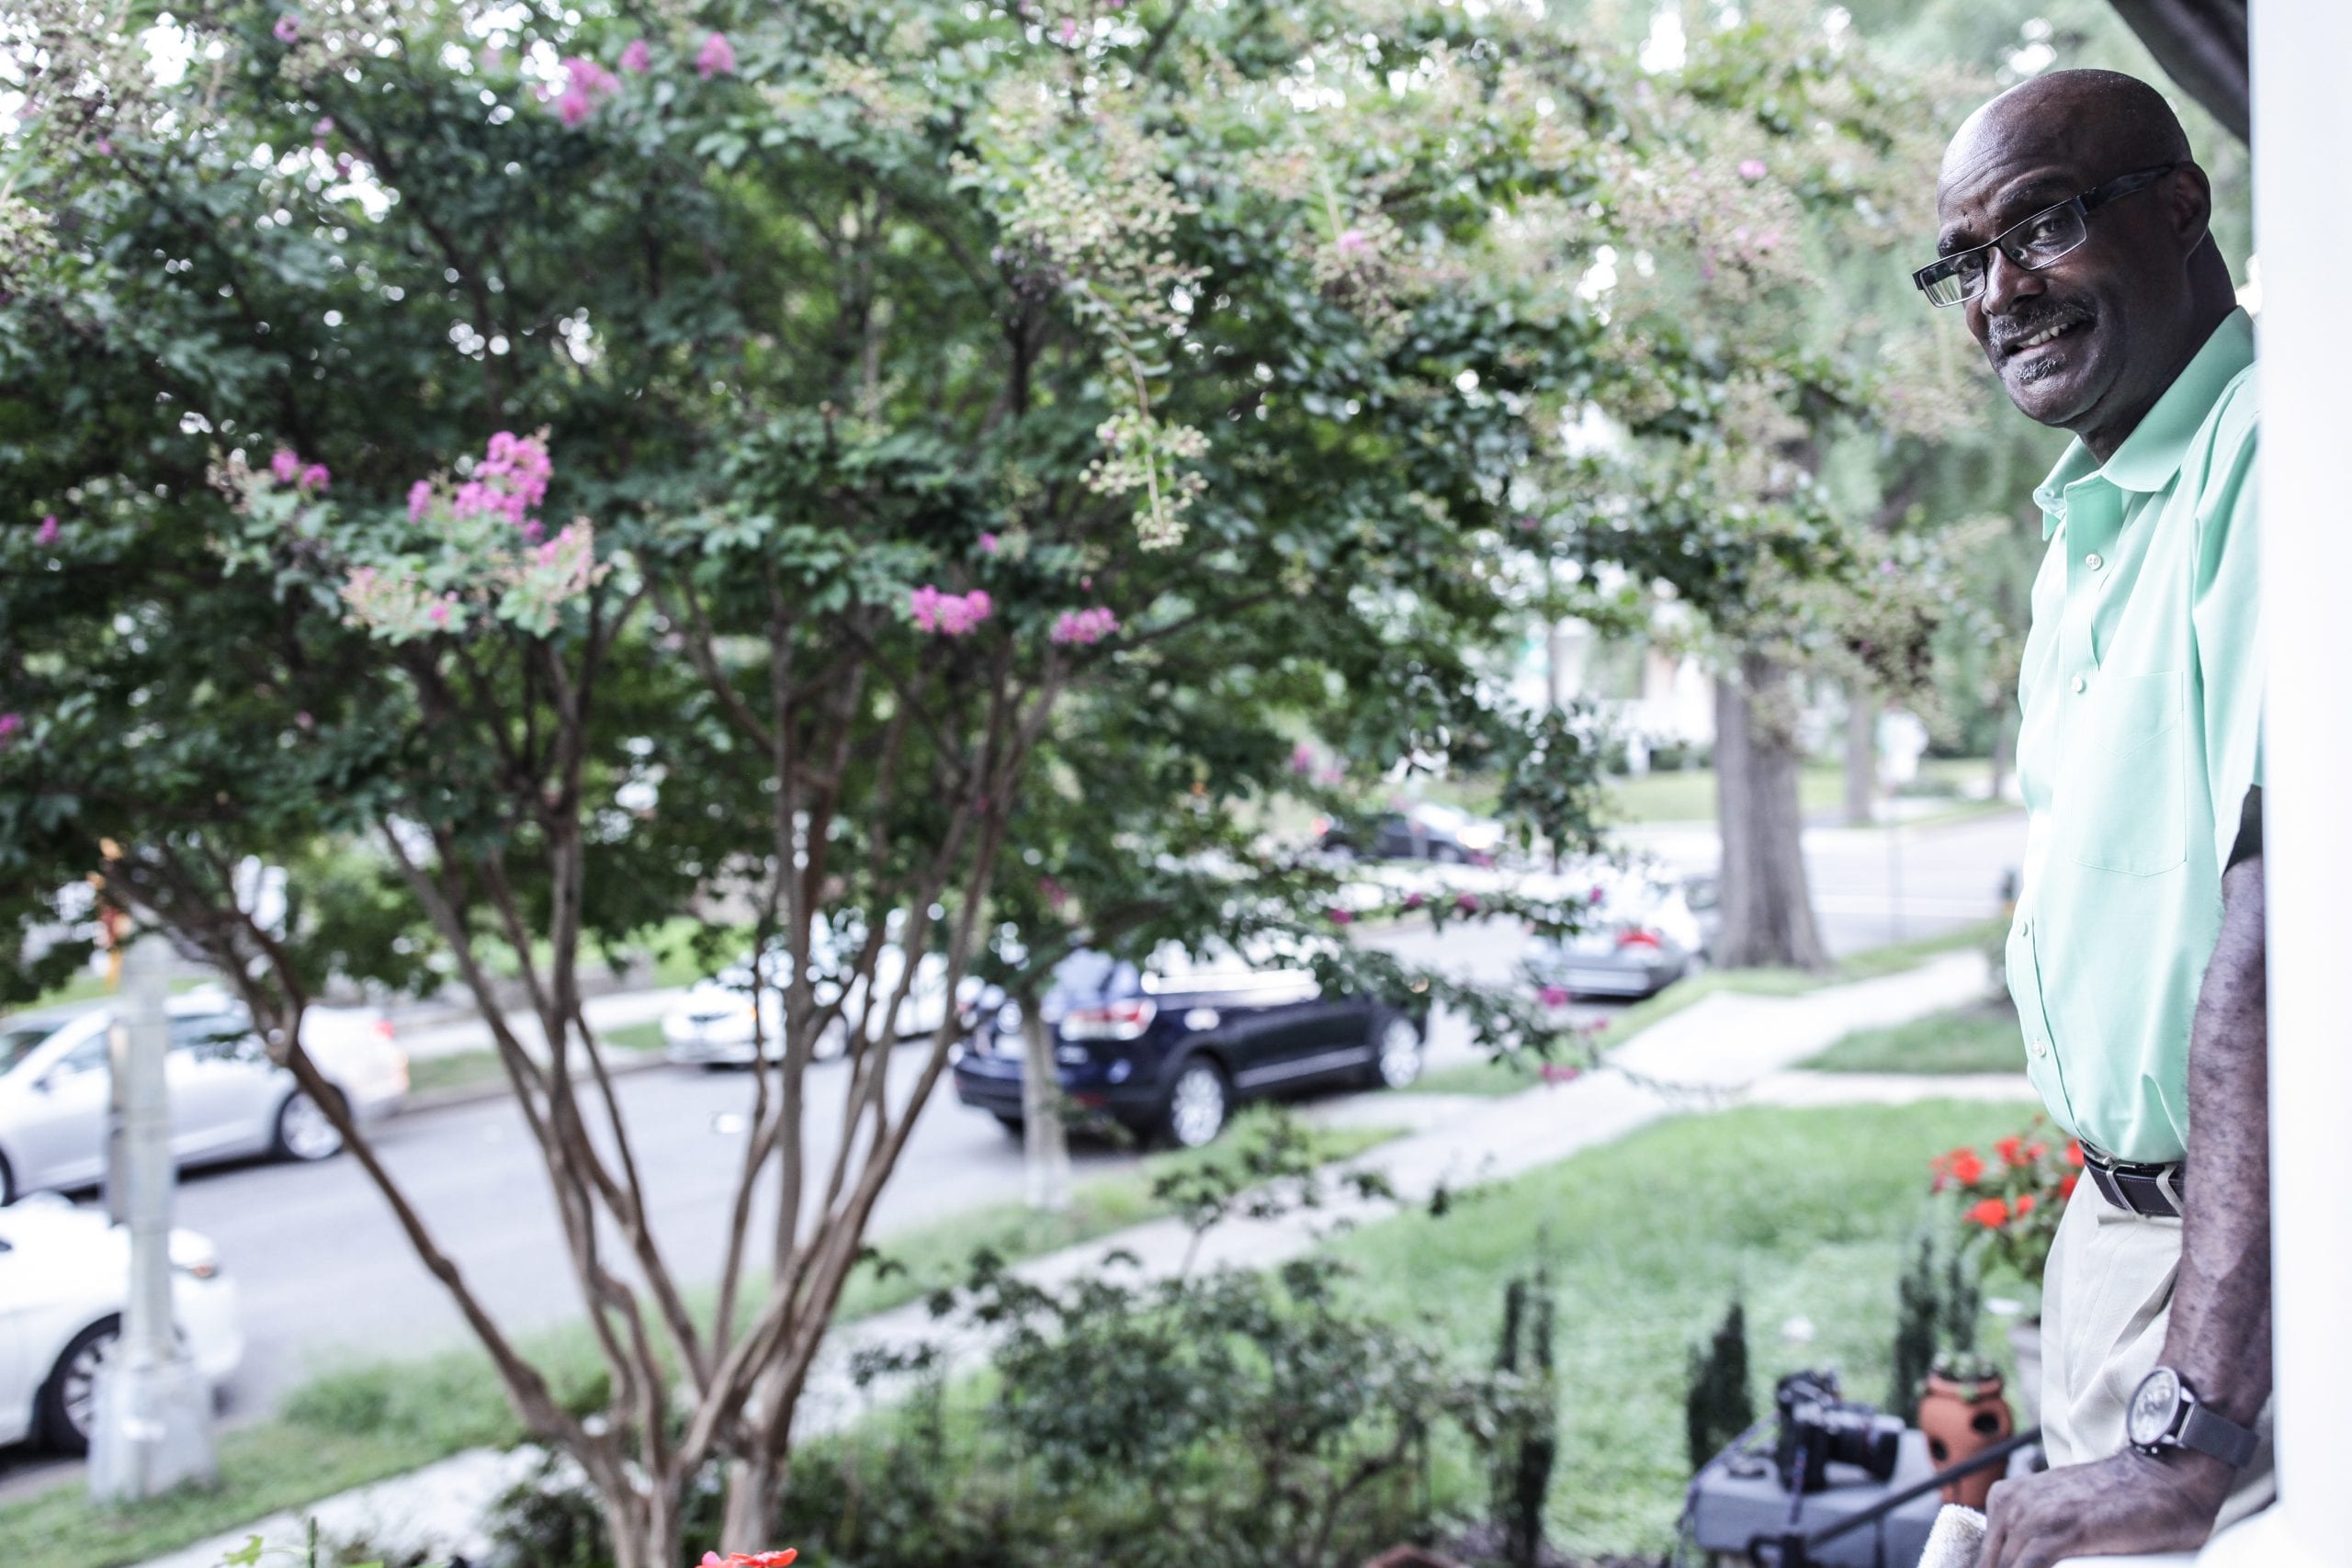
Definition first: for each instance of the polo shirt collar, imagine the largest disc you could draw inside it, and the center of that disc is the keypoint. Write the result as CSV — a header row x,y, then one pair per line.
x,y
2150,456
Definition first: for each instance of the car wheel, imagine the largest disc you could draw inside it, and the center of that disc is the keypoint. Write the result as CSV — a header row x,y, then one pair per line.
x,y
1396,1059
1011,1124
68,1405
1197,1105
303,1131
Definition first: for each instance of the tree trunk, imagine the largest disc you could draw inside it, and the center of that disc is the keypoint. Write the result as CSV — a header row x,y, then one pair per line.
x,y
1045,1140
748,1511
1861,755
645,1531
1767,901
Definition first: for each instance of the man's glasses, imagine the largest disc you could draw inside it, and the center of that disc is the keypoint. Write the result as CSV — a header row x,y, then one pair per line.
x,y
2032,243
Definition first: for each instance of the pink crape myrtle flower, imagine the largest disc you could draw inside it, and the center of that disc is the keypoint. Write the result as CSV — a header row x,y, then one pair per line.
x,y
637,57
1341,916
588,84
314,477
1751,168
1468,903
509,481
9,724
1081,627
286,29
1553,996
285,466
988,544
949,614
716,59
1353,241
48,535
1561,1072
1302,758
420,500
1414,902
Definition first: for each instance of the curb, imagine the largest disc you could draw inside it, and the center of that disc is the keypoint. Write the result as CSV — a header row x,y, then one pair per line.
x,y
618,1064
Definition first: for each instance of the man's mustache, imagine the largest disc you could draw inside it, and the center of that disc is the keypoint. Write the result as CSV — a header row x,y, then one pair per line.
x,y
2006,331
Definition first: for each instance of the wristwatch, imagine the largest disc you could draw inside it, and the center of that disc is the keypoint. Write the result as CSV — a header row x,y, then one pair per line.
x,y
2165,1415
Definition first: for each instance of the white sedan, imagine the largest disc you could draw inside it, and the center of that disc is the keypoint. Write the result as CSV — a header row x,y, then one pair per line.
x,y
712,1024
229,1100
64,1274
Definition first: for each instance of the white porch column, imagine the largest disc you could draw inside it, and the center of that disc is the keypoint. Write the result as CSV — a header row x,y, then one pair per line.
x,y
2303,142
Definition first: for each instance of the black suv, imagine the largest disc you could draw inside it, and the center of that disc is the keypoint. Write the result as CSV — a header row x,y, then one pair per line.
x,y
1168,1048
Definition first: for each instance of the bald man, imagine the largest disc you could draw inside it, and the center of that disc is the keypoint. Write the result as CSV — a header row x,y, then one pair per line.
x,y
2075,244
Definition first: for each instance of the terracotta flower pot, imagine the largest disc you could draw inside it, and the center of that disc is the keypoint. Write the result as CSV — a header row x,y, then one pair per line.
x,y
1962,1420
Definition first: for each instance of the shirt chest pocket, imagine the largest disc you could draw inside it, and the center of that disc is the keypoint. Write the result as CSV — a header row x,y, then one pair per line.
x,y
2128,795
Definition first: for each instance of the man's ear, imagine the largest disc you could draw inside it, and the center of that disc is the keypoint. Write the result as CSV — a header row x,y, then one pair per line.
x,y
2188,205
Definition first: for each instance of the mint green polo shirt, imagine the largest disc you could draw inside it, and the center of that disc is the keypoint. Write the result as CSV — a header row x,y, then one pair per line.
x,y
2143,705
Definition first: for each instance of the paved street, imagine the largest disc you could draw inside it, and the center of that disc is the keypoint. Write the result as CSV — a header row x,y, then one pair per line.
x,y
324,1274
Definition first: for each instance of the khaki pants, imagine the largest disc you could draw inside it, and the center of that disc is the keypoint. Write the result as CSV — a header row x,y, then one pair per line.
x,y
2106,1298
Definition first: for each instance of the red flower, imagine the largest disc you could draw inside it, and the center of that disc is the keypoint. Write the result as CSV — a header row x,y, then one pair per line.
x,y
747,1559
2035,1151
2025,1204
2011,1151
2066,1185
2075,1152
1992,1213
1967,1166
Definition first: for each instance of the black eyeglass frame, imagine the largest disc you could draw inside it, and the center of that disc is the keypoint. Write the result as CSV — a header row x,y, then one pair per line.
x,y
2083,207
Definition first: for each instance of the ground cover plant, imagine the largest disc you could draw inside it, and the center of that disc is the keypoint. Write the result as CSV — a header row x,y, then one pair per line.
x,y
361,1422
1641,1242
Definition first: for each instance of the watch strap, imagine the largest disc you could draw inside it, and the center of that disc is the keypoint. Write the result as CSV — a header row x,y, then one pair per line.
x,y
2219,1436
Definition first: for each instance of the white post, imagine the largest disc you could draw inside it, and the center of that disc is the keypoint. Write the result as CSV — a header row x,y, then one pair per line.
x,y
2302,137
154,1426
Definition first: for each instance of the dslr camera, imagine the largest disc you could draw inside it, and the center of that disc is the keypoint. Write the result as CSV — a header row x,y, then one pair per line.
x,y
1818,1428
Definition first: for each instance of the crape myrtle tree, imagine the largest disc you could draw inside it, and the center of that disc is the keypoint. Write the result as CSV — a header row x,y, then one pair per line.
x,y
851,453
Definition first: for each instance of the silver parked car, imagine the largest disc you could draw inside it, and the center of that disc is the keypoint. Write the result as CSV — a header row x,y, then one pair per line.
x,y
1645,932
229,1100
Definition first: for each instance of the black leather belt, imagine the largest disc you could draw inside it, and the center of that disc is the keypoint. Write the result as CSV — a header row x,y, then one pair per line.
x,y
2151,1190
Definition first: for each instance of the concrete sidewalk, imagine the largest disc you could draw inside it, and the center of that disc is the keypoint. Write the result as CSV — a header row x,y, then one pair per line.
x,y
1728,1049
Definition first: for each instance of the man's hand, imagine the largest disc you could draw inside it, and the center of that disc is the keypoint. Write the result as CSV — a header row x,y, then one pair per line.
x,y
2124,1503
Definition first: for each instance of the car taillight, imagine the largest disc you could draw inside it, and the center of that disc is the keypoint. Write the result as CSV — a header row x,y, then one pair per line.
x,y
1115,1021
1640,936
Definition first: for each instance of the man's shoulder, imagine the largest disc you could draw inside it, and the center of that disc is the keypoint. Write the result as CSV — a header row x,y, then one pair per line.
x,y
2220,461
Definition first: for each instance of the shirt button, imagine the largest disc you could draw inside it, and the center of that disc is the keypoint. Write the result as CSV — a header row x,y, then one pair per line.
x,y
2042,1047
2081,685
2093,560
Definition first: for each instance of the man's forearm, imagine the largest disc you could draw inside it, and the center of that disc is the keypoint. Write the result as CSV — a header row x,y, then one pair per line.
x,y
2219,1339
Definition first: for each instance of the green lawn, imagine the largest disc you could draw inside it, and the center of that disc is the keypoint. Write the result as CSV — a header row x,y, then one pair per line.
x,y
356,1424
1805,1213
1688,795
1504,1074
1983,1038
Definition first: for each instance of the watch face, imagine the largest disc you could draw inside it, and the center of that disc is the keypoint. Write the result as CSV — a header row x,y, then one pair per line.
x,y
2150,1421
